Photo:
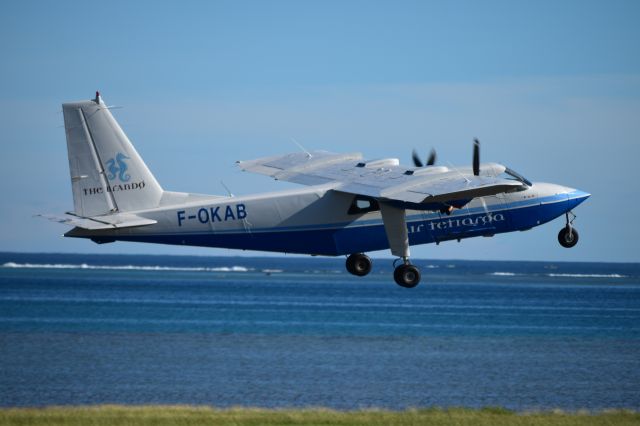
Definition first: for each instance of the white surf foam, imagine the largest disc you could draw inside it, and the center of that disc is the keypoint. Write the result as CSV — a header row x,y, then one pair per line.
x,y
587,275
124,267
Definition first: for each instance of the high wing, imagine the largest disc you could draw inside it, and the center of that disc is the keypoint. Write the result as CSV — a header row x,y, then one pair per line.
x,y
422,188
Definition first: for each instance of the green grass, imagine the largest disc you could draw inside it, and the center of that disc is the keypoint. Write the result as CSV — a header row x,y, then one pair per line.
x,y
188,415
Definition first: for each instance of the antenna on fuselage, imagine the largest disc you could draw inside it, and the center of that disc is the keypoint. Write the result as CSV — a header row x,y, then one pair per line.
x,y
302,148
459,172
227,189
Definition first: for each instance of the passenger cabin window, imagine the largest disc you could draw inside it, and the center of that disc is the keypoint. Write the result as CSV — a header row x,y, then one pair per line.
x,y
361,205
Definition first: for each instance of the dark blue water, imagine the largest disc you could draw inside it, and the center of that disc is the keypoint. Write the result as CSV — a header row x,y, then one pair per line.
x,y
290,332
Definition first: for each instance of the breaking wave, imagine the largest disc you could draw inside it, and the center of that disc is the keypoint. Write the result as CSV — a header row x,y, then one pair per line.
x,y
558,275
587,275
125,267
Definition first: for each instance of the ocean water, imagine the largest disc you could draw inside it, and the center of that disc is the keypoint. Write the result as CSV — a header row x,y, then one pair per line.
x,y
300,332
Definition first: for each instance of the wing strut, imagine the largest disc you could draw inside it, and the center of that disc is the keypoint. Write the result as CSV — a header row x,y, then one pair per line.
x,y
395,226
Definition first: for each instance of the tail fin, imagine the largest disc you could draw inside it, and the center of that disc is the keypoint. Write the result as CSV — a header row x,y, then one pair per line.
x,y
107,174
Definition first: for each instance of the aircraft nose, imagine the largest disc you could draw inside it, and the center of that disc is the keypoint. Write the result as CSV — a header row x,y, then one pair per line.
x,y
573,196
576,197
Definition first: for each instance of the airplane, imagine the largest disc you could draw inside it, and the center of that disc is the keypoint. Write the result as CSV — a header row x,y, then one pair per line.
x,y
350,206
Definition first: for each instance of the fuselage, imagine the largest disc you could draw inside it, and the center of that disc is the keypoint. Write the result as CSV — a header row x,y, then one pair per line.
x,y
319,221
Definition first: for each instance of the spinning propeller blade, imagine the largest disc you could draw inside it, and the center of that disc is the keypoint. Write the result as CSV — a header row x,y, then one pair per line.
x,y
416,159
476,157
418,162
432,158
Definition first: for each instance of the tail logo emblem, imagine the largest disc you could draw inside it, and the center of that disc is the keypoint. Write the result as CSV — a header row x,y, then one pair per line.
x,y
118,168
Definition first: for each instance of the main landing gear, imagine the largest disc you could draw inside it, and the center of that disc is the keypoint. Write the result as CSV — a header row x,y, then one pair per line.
x,y
395,227
568,236
406,275
359,264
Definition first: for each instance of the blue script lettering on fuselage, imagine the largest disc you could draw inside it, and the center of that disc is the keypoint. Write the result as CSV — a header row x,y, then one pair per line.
x,y
477,222
470,222
213,214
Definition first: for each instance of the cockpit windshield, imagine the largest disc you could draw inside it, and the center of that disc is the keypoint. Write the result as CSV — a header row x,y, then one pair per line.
x,y
513,175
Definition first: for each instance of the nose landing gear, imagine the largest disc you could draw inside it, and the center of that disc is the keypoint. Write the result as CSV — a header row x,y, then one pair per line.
x,y
568,236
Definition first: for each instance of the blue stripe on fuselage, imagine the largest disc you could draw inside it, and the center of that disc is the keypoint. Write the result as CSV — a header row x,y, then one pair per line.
x,y
369,235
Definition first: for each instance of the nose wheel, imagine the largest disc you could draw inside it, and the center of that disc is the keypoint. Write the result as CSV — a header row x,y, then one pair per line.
x,y
568,236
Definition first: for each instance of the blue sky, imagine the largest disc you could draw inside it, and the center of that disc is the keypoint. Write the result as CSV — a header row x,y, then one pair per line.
x,y
550,88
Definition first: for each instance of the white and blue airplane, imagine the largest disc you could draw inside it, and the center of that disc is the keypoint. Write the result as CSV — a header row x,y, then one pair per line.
x,y
351,205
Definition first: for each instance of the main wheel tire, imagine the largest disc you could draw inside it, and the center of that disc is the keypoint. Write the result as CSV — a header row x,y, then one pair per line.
x,y
407,276
359,264
568,237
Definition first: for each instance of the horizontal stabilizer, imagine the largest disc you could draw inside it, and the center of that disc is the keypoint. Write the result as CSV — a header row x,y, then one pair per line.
x,y
111,221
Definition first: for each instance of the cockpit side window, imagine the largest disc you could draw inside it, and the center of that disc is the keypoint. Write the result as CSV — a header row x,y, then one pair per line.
x,y
513,175
362,204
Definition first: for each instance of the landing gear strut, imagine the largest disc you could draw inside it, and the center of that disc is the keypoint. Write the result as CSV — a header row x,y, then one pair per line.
x,y
359,264
406,275
568,236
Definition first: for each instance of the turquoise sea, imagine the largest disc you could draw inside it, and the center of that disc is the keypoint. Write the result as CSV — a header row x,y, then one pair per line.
x,y
300,332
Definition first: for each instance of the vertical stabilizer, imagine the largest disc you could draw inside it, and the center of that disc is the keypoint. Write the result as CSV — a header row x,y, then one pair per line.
x,y
107,174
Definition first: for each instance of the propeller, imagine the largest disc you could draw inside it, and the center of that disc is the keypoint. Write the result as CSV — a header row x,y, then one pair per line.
x,y
418,162
476,157
431,160
416,159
